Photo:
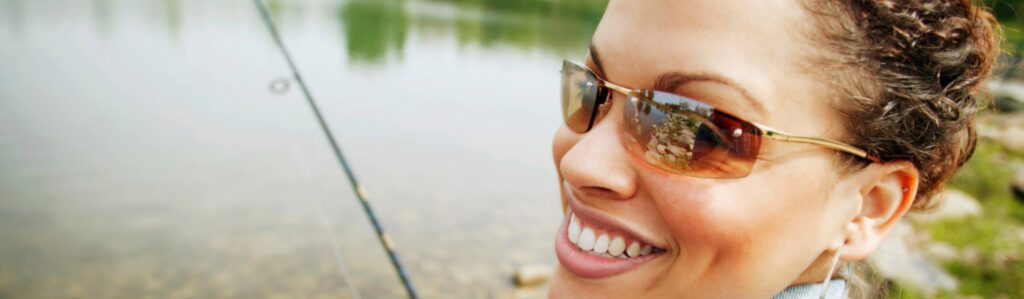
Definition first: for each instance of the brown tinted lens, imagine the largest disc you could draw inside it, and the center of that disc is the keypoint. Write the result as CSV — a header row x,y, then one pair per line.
x,y
579,93
684,136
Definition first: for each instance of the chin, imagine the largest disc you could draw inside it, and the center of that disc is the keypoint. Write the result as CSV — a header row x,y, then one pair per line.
x,y
566,285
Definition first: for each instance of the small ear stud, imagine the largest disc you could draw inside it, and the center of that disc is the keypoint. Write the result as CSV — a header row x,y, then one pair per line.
x,y
905,190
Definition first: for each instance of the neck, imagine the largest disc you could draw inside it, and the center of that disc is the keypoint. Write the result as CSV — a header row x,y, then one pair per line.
x,y
816,272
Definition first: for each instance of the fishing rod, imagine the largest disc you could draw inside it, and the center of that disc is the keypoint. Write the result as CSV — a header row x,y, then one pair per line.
x,y
383,237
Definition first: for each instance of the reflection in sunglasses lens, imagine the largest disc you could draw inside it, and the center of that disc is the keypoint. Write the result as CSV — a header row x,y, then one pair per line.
x,y
684,136
579,92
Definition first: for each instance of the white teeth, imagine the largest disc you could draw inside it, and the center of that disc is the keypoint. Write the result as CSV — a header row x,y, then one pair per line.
x,y
617,246
601,246
605,244
574,229
633,250
586,241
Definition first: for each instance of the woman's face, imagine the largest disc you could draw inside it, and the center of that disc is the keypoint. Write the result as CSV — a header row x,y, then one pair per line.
x,y
711,238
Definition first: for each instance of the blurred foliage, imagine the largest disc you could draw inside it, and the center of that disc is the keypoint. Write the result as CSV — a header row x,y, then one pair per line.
x,y
571,9
1011,14
991,263
991,246
376,29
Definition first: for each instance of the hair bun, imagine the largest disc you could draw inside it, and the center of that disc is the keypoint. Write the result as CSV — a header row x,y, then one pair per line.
x,y
916,68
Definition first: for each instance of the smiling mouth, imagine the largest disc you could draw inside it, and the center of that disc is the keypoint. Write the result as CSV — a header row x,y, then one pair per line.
x,y
592,245
605,243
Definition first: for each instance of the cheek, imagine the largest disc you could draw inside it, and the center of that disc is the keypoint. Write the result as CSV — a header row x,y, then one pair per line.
x,y
738,227
738,212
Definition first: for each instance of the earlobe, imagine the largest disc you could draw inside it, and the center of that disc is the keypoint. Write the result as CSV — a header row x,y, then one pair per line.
x,y
888,191
862,239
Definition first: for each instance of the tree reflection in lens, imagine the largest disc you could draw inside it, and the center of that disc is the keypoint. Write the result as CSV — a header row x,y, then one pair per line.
x,y
684,136
672,141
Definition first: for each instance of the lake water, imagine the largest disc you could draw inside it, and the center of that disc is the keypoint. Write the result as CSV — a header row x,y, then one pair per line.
x,y
161,148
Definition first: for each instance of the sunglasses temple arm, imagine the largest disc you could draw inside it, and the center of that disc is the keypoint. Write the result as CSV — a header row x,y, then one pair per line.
x,y
619,89
777,135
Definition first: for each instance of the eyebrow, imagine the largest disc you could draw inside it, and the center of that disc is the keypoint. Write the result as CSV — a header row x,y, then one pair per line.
x,y
672,80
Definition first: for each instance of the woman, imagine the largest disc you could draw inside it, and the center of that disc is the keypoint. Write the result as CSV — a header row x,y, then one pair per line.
x,y
743,149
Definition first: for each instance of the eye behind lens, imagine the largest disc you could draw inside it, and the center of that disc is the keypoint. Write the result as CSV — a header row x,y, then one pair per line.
x,y
684,136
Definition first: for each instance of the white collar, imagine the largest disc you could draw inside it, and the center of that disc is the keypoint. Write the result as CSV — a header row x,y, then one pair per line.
x,y
836,290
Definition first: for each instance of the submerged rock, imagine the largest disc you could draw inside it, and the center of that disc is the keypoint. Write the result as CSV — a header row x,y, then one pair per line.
x,y
532,275
529,293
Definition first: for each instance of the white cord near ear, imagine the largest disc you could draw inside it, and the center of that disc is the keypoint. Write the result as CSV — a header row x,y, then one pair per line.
x,y
831,269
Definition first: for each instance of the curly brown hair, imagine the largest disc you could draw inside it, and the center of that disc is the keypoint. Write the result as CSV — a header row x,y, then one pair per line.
x,y
906,76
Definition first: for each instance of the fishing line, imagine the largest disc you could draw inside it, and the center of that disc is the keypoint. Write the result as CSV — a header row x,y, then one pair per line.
x,y
319,207
384,239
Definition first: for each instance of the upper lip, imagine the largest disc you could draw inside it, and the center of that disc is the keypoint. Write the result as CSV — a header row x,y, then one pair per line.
x,y
598,219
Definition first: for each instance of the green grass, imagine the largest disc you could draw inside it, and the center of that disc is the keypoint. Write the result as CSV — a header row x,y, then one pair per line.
x,y
991,263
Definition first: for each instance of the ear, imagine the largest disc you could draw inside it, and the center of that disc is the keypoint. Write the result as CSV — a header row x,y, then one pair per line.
x,y
887,191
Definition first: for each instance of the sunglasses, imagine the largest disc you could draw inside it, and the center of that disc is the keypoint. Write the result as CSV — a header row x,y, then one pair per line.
x,y
676,133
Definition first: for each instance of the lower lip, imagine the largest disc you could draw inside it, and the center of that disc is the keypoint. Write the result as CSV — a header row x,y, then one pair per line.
x,y
587,265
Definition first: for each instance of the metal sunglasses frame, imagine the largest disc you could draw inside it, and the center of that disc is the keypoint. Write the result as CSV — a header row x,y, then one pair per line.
x,y
765,130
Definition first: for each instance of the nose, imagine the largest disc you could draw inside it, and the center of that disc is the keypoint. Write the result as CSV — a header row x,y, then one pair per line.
x,y
596,162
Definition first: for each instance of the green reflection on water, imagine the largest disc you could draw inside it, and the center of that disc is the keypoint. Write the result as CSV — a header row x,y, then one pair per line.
x,y
376,29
